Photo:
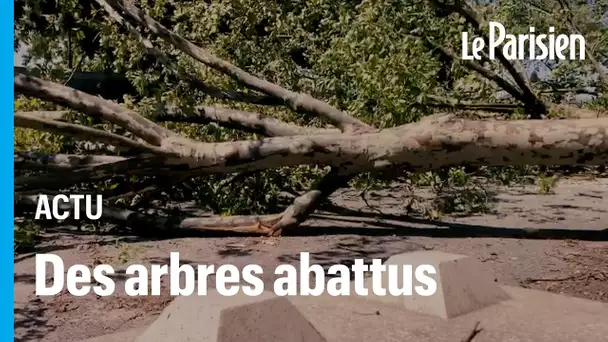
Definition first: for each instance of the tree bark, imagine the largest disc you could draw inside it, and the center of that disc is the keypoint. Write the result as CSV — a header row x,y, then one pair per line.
x,y
307,203
425,145
244,121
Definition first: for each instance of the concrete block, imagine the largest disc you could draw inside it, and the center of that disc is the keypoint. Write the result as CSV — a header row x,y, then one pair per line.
x,y
216,318
463,285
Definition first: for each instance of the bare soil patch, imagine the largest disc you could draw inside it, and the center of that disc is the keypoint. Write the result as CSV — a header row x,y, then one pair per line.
x,y
556,242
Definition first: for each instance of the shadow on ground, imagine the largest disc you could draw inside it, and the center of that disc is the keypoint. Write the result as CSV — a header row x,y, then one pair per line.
x,y
343,221
31,323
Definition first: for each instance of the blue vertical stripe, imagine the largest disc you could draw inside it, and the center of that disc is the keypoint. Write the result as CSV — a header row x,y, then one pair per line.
x,y
6,171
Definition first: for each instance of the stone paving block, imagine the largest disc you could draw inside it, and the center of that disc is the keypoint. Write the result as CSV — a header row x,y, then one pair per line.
x,y
217,318
530,316
463,285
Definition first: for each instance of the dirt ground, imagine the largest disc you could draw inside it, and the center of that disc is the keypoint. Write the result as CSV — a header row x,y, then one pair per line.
x,y
556,242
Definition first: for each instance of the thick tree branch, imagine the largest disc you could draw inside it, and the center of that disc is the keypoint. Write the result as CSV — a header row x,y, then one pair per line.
x,y
86,168
467,12
432,143
425,145
488,74
586,91
82,132
56,115
296,101
245,121
307,203
599,68
91,105
36,160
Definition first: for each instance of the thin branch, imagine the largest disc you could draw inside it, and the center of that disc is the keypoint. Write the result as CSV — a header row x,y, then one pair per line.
x,y
81,132
80,60
172,66
296,101
466,11
63,180
601,70
464,105
538,8
490,75
130,190
561,110
148,189
476,330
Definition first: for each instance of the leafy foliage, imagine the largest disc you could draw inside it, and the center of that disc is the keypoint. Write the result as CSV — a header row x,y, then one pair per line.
x,y
365,57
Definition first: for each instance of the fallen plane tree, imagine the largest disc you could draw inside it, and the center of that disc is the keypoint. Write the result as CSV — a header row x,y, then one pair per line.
x,y
351,148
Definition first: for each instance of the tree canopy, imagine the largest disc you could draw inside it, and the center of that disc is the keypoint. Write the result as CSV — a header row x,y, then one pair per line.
x,y
219,75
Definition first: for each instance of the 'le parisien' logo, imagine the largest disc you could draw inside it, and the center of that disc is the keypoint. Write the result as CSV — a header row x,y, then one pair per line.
x,y
525,46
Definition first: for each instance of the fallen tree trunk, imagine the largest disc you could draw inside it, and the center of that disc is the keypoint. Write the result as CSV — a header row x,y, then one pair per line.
x,y
434,142
426,145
